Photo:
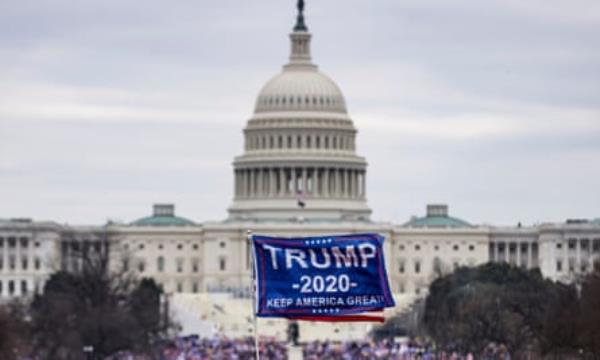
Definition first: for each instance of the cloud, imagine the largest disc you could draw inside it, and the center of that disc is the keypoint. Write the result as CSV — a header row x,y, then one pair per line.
x,y
108,106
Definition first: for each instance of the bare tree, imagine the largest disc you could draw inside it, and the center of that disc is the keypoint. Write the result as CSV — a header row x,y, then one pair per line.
x,y
96,301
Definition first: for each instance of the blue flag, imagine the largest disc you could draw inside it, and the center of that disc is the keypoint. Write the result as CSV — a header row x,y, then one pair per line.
x,y
320,276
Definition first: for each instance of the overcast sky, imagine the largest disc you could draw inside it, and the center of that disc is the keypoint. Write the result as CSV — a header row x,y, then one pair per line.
x,y
490,106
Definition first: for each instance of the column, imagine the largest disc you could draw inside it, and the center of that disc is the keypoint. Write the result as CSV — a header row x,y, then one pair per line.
x,y
518,254
241,182
293,189
326,182
336,182
251,191
318,172
529,262
282,183
272,180
261,182
247,191
304,182
316,181
346,182
349,189
364,184
354,184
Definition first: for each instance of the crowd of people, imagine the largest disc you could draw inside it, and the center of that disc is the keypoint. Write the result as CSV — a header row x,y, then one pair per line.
x,y
219,348
371,350
194,348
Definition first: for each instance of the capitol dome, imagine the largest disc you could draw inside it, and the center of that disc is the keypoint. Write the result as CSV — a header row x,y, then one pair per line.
x,y
300,161
300,89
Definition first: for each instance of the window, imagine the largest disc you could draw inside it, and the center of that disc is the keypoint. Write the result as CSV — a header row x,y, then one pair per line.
x,y
401,247
455,247
179,287
179,265
436,248
12,242
11,287
401,267
195,287
141,266
222,264
596,245
417,267
524,248
195,265
417,247
37,244
179,246
1,288
471,247
584,244
1,242
24,287
125,264
195,246
141,246
559,245
24,242
24,263
558,265
572,244
571,265
160,246
222,244
160,264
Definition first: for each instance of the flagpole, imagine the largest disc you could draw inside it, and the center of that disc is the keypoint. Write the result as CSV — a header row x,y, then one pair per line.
x,y
254,289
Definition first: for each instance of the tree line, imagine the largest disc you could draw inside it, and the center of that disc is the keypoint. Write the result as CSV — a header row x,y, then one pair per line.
x,y
518,308
96,304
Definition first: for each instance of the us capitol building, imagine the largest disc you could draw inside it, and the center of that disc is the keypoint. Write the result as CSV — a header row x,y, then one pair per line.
x,y
299,175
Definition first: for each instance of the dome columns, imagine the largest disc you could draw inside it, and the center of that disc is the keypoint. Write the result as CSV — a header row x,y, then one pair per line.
x,y
310,181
